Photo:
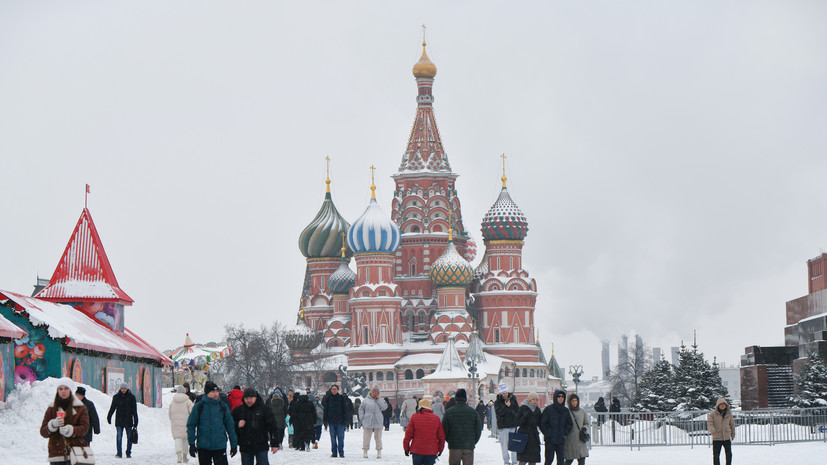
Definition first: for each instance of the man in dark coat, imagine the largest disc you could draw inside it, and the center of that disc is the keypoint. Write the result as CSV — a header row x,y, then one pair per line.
x,y
387,413
463,429
555,423
125,408
190,394
94,421
303,418
279,409
481,411
600,408
505,409
256,428
335,418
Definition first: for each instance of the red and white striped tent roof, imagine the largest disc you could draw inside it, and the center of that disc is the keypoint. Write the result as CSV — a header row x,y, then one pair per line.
x,y
83,272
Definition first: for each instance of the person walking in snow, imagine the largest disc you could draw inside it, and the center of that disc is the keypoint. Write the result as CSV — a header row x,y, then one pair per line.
x,y
462,428
235,397
372,419
437,407
209,426
125,408
505,409
278,406
387,413
317,426
255,427
480,408
556,423
424,436
94,421
721,426
303,419
528,419
65,423
575,448
408,409
179,412
335,417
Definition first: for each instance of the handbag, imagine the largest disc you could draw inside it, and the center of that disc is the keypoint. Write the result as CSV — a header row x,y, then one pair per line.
x,y
517,442
133,437
584,435
80,455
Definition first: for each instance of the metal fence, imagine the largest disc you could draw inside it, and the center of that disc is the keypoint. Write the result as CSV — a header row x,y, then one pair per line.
x,y
770,426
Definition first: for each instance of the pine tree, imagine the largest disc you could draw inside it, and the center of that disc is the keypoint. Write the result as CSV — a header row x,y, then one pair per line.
x,y
698,384
656,389
811,384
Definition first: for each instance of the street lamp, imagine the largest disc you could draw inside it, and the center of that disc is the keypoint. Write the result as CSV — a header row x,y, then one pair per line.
x,y
575,371
474,375
514,376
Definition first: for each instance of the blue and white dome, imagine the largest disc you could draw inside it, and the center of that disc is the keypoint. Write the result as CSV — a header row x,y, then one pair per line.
x,y
373,232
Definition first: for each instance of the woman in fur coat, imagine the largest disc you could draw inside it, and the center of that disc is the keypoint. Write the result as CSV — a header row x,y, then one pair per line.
x,y
65,423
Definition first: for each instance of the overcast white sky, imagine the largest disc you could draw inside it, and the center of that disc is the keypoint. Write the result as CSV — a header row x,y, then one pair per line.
x,y
669,156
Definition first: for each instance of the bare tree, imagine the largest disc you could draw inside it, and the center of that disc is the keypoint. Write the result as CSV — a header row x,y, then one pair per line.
x,y
259,358
627,374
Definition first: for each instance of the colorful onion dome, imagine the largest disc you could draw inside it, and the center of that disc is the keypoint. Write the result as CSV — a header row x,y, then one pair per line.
x,y
373,232
505,220
301,337
323,236
450,269
424,68
342,279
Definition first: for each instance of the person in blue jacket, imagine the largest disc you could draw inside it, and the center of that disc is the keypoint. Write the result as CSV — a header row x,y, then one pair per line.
x,y
209,426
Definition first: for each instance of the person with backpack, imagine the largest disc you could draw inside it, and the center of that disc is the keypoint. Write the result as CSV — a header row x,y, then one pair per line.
x,y
424,436
125,408
256,429
462,428
209,426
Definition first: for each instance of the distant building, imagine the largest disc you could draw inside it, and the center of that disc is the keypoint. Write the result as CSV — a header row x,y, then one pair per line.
x,y
768,373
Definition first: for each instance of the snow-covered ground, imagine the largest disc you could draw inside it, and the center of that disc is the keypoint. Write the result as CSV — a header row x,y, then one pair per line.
x,y
21,444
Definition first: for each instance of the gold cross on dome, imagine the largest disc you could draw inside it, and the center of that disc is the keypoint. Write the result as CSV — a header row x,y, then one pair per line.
x,y
504,179
327,169
423,34
372,185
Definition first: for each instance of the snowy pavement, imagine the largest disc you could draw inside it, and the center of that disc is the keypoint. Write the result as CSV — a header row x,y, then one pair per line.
x,y
21,444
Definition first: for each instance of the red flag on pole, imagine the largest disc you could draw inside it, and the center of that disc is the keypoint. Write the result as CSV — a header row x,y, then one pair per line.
x,y
86,196
87,189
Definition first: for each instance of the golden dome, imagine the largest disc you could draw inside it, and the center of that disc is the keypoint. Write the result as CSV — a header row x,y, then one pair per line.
x,y
424,68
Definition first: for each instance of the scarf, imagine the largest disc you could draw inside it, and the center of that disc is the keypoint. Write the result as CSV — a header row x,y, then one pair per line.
x,y
530,405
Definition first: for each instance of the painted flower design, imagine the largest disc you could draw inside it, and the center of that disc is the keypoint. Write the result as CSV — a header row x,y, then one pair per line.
x,y
21,351
38,351
24,375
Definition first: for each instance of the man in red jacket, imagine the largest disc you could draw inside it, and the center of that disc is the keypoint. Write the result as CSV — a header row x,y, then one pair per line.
x,y
424,436
236,397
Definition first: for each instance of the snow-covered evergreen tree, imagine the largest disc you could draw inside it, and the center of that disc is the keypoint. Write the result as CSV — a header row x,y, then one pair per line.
x,y
811,384
656,391
698,384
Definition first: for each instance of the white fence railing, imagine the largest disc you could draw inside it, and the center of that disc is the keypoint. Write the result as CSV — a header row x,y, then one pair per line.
x,y
770,426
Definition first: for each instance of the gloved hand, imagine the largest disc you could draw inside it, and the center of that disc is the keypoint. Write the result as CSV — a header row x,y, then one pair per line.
x,y
193,450
67,431
233,451
407,453
55,423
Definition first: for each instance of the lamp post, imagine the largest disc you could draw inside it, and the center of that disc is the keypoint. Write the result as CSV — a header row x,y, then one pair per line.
x,y
474,375
575,371
514,376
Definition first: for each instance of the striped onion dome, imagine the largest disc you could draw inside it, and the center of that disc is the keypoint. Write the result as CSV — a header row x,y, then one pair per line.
x,y
450,269
342,279
374,232
323,236
504,220
301,337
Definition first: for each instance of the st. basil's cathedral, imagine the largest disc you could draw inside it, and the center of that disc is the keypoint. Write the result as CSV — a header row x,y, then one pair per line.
x,y
416,312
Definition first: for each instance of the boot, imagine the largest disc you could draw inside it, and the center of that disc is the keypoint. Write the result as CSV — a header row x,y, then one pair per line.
x,y
180,458
378,454
364,453
315,444
186,459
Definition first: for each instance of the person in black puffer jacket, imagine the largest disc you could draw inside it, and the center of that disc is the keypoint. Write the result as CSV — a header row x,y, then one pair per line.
x,y
125,408
555,425
528,418
303,419
256,428
505,408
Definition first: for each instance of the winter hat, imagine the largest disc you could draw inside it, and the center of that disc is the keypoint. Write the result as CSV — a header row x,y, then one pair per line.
x,y
66,382
461,395
424,403
250,392
209,387
180,389
375,389
80,390
124,386
503,388
533,395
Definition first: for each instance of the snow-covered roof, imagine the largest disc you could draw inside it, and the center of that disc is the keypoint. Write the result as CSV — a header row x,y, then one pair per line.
x,y
450,365
814,317
9,329
83,331
419,359
475,351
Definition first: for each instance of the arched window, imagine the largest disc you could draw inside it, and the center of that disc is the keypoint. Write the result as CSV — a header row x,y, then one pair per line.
x,y
410,317
507,372
408,374
370,376
420,373
330,377
531,372
437,228
380,376
525,373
